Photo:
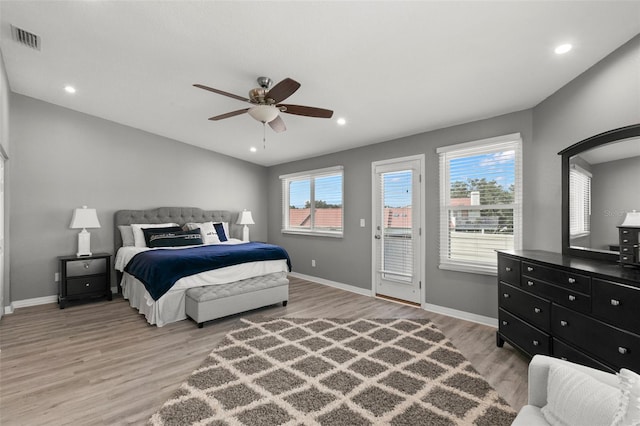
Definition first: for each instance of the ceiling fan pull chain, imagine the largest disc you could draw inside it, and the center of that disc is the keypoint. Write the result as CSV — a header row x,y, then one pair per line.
x,y
264,135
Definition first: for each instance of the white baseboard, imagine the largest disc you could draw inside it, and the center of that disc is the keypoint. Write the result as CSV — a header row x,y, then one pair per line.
x,y
341,286
464,315
37,301
455,313
30,302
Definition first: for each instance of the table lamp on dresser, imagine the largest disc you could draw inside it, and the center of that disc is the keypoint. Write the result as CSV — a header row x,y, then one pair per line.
x,y
82,219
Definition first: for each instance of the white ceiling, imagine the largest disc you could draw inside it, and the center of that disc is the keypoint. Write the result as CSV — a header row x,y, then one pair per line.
x,y
389,68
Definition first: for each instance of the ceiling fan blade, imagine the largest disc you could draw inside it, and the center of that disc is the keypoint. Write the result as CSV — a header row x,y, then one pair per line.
x,y
283,90
277,124
229,114
307,111
220,92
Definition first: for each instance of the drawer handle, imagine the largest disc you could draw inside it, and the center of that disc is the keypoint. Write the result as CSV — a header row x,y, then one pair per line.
x,y
572,280
622,350
625,231
536,343
615,302
563,358
508,269
505,322
572,298
624,240
564,323
530,283
537,310
530,268
86,284
506,295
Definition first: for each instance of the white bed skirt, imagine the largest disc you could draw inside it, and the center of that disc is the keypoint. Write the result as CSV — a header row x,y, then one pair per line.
x,y
170,307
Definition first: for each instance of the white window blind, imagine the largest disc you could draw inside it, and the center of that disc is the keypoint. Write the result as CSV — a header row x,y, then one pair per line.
x,y
579,201
397,225
480,202
312,202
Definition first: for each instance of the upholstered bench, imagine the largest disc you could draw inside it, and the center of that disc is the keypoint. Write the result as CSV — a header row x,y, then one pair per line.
x,y
216,301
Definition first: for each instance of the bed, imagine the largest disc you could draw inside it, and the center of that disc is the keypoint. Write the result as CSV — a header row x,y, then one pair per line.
x,y
168,307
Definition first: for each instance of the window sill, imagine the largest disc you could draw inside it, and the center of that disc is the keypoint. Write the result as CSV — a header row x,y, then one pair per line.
x,y
471,269
580,235
313,233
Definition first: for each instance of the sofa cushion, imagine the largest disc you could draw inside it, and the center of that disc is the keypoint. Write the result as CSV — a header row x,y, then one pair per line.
x,y
628,413
530,415
575,398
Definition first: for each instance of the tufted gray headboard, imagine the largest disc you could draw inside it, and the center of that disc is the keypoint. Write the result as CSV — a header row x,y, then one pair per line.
x,y
179,215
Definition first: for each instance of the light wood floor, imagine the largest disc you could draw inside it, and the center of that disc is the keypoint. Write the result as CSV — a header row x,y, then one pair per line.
x,y
102,364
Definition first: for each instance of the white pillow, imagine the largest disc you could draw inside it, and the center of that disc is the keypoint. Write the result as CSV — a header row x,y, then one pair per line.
x,y
575,398
208,231
628,413
138,235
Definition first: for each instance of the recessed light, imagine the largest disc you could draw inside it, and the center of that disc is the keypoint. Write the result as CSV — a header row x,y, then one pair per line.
x,y
341,121
69,89
253,149
563,48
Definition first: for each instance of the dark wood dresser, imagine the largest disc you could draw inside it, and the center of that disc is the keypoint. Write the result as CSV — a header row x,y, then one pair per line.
x,y
583,310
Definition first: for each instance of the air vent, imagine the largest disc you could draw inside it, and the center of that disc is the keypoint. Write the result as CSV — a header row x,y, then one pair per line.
x,y
25,37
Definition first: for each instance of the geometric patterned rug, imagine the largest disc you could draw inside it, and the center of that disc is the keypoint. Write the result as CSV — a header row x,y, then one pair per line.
x,y
289,371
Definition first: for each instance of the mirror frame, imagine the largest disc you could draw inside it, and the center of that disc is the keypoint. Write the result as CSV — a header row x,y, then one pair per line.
x,y
592,142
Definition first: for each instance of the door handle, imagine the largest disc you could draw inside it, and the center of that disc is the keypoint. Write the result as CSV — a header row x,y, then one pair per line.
x,y
377,237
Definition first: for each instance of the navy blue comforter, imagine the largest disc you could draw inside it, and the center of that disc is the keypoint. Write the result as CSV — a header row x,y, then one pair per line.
x,y
159,269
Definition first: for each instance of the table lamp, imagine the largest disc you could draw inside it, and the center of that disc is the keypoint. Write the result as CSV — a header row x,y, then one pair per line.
x,y
245,219
82,219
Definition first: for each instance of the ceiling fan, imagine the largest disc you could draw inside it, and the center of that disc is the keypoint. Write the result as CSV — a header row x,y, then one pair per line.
x,y
266,103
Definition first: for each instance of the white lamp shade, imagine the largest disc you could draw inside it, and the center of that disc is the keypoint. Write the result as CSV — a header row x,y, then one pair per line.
x,y
264,113
84,218
631,220
245,218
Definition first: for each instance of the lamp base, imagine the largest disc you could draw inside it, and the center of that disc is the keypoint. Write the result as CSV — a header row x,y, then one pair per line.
x,y
84,243
245,233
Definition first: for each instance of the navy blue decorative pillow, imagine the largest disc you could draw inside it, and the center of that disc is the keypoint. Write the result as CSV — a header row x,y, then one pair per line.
x,y
175,239
148,232
220,231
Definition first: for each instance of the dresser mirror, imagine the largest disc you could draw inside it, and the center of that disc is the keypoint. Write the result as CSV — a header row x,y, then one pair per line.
x,y
600,184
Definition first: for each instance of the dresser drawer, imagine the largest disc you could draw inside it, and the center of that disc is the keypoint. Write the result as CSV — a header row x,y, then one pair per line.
x,y
86,285
627,249
629,235
571,299
522,335
611,345
569,280
617,304
529,307
628,258
81,267
569,353
508,269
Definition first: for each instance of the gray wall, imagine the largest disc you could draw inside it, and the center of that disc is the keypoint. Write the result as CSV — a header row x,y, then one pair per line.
x,y
614,190
348,260
4,141
606,96
64,159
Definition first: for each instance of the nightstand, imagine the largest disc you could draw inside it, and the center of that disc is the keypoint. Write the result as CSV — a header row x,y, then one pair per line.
x,y
84,278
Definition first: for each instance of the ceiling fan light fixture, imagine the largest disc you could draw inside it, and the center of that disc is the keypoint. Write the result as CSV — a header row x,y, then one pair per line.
x,y
264,113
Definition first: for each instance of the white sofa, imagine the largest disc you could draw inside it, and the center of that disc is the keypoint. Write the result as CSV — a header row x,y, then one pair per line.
x,y
531,414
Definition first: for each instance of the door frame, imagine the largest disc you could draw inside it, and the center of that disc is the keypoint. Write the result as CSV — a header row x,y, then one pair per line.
x,y
422,243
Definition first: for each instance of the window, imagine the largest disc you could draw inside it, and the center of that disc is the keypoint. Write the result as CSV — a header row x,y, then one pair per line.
x,y
579,201
312,202
480,202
